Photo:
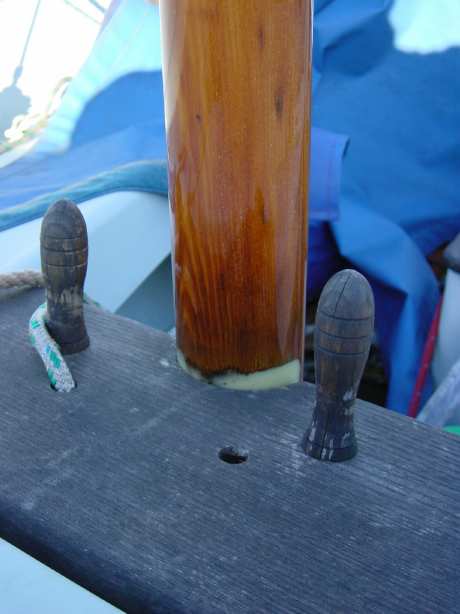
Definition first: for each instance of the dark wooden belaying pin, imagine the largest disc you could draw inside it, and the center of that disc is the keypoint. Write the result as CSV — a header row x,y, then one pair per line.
x,y
343,333
64,256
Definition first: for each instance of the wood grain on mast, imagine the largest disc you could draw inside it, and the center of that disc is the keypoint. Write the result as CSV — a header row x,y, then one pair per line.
x,y
237,98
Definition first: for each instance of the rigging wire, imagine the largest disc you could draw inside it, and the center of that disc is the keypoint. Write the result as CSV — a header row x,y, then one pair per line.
x,y
19,67
81,11
97,5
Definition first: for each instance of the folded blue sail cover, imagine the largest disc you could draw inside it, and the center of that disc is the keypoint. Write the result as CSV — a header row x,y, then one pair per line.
x,y
397,199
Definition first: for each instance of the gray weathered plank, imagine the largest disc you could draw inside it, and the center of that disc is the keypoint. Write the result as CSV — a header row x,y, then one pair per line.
x,y
118,485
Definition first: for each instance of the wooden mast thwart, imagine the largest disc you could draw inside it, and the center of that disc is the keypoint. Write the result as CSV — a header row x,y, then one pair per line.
x,y
237,97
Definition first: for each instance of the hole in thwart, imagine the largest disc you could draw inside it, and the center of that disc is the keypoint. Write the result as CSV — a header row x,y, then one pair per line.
x,y
232,455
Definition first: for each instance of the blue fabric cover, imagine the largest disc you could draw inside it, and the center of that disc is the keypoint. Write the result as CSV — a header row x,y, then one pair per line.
x,y
146,176
398,197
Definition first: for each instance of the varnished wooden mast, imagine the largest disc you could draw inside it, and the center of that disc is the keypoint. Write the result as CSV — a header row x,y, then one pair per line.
x,y
237,97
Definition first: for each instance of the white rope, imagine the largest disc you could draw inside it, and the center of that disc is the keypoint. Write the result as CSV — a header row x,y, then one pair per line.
x,y
58,372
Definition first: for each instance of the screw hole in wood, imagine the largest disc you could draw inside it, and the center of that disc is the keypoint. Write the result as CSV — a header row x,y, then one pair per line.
x,y
233,456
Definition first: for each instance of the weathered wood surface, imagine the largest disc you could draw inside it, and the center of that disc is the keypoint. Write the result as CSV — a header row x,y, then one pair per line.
x,y
237,101
119,486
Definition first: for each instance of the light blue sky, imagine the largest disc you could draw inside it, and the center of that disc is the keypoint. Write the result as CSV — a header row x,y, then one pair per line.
x,y
60,42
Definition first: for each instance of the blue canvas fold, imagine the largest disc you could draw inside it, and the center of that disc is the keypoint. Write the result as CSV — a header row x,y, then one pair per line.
x,y
399,195
142,176
405,290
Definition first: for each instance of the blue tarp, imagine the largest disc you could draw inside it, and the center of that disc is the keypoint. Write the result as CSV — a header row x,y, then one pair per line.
x,y
397,201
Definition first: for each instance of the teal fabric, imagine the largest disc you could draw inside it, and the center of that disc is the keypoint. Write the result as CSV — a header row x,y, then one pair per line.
x,y
145,176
